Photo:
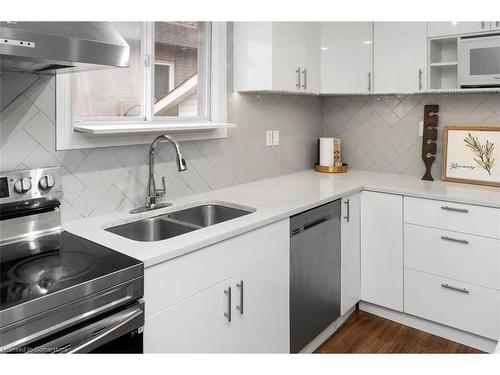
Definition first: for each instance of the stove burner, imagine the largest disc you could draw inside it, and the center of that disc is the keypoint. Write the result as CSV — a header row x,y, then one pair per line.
x,y
39,245
53,267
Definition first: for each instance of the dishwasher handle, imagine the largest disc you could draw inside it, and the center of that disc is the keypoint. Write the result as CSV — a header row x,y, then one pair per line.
x,y
310,224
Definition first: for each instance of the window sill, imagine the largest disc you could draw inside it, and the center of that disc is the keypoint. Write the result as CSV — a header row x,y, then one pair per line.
x,y
120,128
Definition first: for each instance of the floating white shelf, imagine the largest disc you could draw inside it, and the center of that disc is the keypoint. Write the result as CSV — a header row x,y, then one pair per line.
x,y
150,128
446,63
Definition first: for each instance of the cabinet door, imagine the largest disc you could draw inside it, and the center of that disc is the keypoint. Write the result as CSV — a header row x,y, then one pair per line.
x,y
454,28
382,249
195,325
311,37
495,25
350,253
252,56
346,57
260,316
288,55
400,56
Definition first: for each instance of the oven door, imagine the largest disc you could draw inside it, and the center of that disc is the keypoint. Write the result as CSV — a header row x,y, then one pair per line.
x,y
479,61
118,332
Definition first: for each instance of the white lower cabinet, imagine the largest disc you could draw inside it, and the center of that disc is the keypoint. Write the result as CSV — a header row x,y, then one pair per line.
x,y
196,325
382,249
465,306
193,302
260,308
247,314
350,253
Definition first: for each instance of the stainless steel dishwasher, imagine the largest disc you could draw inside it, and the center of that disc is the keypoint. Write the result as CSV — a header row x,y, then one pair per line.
x,y
314,272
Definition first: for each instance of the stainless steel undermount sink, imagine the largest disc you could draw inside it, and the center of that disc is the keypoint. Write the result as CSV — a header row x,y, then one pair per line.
x,y
178,222
208,214
151,229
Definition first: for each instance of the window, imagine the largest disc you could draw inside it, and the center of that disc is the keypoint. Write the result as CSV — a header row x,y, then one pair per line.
x,y
114,92
168,81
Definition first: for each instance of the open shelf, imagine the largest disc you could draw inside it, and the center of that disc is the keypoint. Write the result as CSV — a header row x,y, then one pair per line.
x,y
443,50
443,64
439,64
444,77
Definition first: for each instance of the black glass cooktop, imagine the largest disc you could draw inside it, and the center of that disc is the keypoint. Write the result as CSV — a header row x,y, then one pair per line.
x,y
46,264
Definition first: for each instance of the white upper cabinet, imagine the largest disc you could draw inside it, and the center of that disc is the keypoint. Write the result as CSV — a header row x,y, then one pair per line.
x,y
276,56
400,56
453,28
346,57
311,32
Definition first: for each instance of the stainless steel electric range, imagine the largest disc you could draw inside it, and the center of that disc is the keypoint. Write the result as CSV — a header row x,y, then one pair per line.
x,y
60,293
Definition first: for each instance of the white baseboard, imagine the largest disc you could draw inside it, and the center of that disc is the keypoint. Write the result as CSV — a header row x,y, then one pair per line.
x,y
327,332
437,329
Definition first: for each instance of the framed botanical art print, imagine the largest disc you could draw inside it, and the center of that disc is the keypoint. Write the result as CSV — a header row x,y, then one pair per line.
x,y
471,154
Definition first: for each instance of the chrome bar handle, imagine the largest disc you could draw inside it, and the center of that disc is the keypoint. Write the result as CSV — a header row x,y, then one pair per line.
x,y
346,202
454,240
369,81
454,209
298,78
461,290
240,306
304,84
420,79
228,313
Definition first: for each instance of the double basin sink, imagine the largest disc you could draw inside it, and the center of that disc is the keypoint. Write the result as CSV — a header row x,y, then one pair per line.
x,y
175,223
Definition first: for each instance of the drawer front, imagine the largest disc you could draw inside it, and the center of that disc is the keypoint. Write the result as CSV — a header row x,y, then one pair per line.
x,y
470,308
482,221
177,279
459,256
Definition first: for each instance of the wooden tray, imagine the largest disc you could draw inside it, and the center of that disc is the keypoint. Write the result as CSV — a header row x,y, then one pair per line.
x,y
322,169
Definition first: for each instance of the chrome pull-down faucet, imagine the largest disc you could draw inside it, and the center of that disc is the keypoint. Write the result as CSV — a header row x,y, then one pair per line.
x,y
155,195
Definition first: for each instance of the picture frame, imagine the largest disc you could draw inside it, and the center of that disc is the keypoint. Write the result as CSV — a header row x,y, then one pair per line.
x,y
471,154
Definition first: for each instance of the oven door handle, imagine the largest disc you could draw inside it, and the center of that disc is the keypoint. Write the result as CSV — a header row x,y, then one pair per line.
x,y
105,335
90,337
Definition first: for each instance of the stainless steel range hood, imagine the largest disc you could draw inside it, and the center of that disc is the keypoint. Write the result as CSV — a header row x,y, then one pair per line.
x,y
46,47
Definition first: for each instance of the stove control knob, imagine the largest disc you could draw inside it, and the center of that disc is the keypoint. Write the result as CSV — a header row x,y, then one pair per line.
x,y
46,182
23,185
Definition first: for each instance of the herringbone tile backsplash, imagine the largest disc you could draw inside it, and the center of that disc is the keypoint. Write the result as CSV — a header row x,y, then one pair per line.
x,y
102,180
380,133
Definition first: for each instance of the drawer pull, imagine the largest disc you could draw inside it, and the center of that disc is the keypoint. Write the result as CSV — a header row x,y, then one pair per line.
x,y
454,209
454,240
461,290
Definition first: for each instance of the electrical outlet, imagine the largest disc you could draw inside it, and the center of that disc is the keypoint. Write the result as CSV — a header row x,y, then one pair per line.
x,y
276,137
421,129
269,138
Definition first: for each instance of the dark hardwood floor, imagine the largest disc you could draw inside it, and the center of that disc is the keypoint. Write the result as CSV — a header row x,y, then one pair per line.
x,y
367,333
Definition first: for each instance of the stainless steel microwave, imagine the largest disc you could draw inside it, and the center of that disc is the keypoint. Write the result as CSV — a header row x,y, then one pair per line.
x,y
479,61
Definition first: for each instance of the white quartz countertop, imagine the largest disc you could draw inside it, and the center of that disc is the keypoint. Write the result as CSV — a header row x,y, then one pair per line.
x,y
274,199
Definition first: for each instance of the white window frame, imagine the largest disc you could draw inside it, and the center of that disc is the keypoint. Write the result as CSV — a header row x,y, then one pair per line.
x,y
171,71
74,133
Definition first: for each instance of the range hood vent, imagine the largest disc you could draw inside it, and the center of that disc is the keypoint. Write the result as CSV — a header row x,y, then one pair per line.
x,y
47,47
